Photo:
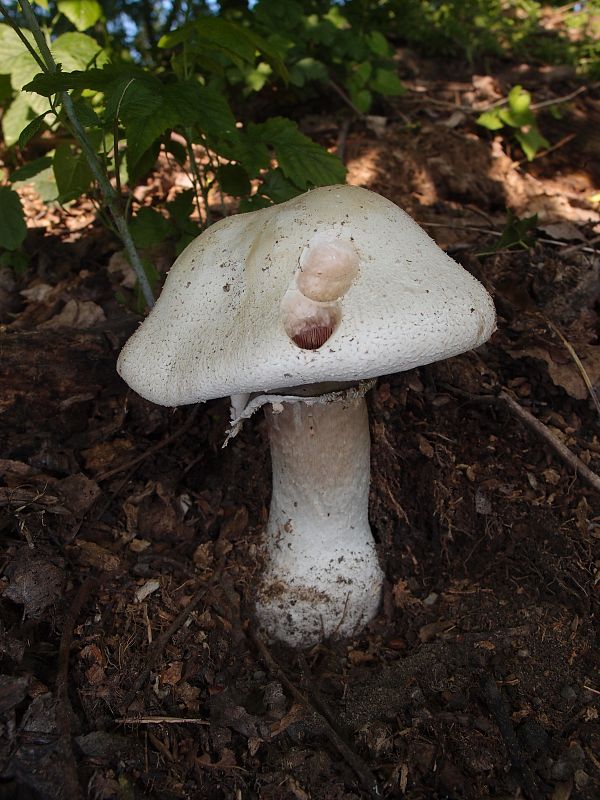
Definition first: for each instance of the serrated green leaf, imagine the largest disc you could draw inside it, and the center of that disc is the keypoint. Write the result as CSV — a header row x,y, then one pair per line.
x,y
196,105
31,130
24,69
12,219
86,114
30,170
15,119
386,82
142,133
531,142
302,161
144,163
233,179
96,79
133,99
490,120
82,13
149,227
72,173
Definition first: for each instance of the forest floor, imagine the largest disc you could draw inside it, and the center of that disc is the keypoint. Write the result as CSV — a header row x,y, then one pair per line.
x,y
131,540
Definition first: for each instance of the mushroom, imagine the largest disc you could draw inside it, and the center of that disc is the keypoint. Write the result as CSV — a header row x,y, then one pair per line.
x,y
294,308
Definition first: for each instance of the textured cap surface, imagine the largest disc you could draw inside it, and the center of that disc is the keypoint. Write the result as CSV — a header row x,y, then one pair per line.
x,y
227,318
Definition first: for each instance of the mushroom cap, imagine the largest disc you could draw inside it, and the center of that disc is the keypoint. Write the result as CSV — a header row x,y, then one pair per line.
x,y
225,321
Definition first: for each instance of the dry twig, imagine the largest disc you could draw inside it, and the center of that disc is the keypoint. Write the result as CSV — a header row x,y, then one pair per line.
x,y
367,780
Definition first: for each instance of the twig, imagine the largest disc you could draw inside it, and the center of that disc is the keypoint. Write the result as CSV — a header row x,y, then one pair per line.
x,y
565,140
544,431
543,240
72,786
367,780
538,427
346,99
564,99
495,703
161,721
151,450
578,364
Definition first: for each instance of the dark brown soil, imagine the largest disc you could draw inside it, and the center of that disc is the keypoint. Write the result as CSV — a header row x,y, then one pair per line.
x,y
130,538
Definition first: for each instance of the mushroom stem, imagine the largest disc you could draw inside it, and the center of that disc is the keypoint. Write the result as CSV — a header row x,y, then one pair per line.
x,y
322,577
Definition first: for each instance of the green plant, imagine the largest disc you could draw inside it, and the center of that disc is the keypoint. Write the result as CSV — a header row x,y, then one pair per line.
x,y
518,234
113,119
324,46
518,116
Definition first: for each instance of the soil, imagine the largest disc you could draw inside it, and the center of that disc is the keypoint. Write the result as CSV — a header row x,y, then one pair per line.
x,y
130,666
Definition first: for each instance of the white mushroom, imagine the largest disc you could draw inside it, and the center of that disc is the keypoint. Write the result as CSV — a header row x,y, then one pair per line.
x,y
311,296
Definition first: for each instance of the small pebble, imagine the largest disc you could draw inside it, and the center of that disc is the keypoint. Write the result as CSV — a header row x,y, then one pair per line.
x,y
431,599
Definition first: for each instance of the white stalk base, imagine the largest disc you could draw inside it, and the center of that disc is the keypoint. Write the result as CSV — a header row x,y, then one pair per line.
x,y
322,577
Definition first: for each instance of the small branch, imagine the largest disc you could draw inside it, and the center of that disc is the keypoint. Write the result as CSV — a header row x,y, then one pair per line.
x,y
345,98
367,780
543,431
546,434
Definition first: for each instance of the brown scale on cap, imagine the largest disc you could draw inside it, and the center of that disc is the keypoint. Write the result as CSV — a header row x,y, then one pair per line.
x,y
314,337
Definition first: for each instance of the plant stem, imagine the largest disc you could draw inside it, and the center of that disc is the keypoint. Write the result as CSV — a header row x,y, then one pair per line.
x,y
111,197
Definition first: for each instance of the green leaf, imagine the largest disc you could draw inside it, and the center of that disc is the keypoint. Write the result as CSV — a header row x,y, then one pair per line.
x,y
149,227
194,104
233,179
44,183
518,233
11,47
361,74
94,78
378,44
143,165
302,161
17,260
6,90
82,13
531,142
31,130
12,220
362,99
30,170
15,119
519,100
76,51
86,114
254,203
181,207
490,120
177,150
72,173
276,186
386,82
